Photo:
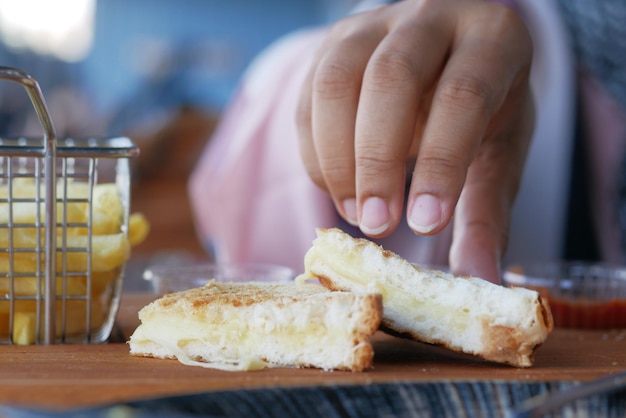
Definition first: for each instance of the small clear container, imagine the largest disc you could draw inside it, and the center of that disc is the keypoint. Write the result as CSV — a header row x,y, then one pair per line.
x,y
174,278
580,294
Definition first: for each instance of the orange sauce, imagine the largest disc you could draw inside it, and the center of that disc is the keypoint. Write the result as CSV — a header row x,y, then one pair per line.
x,y
586,314
578,311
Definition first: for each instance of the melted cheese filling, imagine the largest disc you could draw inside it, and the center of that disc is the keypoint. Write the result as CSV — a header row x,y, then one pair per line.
x,y
262,338
435,315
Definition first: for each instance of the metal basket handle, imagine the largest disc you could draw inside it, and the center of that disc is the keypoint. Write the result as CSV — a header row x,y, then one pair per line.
x,y
39,103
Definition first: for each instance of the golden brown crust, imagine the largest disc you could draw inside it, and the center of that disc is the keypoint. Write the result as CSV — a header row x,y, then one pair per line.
x,y
372,303
364,354
239,294
504,344
328,283
546,314
367,307
509,344
363,357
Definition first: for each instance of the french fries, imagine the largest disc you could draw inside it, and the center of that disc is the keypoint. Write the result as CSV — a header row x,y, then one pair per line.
x,y
107,209
27,286
26,283
26,212
110,248
25,319
138,228
107,251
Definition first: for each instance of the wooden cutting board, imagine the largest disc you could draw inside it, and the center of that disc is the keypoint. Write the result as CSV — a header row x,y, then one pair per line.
x,y
69,376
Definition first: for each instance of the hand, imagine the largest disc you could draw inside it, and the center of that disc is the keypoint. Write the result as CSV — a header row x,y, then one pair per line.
x,y
443,84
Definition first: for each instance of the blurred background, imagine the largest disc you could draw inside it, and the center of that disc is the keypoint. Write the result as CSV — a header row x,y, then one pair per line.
x,y
158,71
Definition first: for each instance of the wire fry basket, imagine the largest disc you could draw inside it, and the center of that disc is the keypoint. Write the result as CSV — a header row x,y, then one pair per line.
x,y
63,235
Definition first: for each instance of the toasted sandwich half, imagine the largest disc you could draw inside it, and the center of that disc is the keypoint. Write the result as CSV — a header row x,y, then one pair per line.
x,y
247,326
465,314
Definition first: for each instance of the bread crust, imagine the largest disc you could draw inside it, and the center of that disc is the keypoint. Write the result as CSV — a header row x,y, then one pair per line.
x,y
509,344
289,311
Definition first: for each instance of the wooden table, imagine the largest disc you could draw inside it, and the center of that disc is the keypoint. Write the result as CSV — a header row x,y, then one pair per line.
x,y
70,376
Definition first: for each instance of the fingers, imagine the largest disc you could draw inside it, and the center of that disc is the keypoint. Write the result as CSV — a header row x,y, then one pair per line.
x,y
394,81
336,88
358,112
327,111
444,81
476,82
483,213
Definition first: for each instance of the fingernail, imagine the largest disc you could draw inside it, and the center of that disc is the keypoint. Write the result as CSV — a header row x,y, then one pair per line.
x,y
426,214
349,210
374,216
